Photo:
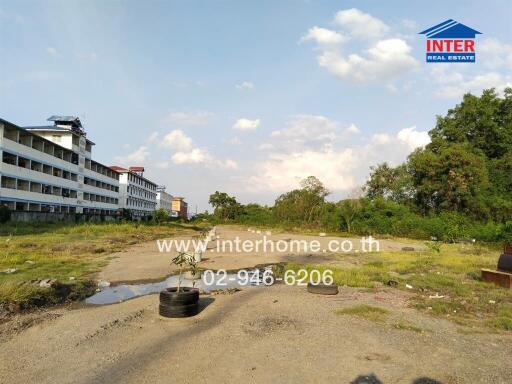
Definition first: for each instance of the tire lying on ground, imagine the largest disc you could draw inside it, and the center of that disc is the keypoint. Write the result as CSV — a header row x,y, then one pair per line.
x,y
187,295
178,310
408,249
323,289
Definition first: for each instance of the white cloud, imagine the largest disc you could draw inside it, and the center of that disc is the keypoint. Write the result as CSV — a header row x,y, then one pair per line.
x,y
177,140
352,128
410,24
495,54
230,164
52,51
141,155
382,60
413,138
385,60
339,165
453,84
245,86
323,36
360,24
307,128
186,152
246,124
188,118
381,139
280,172
234,141
194,156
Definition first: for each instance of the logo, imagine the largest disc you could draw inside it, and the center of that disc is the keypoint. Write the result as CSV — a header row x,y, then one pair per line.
x,y
450,42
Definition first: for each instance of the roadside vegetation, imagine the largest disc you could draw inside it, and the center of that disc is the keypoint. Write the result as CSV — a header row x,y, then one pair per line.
x,y
457,187
67,253
445,283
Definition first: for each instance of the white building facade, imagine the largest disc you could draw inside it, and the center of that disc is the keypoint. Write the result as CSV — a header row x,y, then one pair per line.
x,y
49,169
136,193
163,200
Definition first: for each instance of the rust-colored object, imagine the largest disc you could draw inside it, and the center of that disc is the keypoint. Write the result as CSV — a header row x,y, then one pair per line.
x,y
503,279
507,249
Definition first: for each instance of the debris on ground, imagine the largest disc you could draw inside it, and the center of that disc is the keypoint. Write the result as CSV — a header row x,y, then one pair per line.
x,y
104,284
9,270
47,283
228,291
436,296
408,286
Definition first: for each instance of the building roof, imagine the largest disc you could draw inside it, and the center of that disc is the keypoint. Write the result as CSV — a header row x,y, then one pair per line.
x,y
132,171
39,137
54,128
450,29
67,119
118,169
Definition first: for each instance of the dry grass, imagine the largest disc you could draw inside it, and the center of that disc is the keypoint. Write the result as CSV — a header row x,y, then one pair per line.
x,y
64,251
453,273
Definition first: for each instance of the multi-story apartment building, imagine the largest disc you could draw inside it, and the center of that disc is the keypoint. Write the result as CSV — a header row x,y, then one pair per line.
x,y
163,200
179,207
49,169
136,193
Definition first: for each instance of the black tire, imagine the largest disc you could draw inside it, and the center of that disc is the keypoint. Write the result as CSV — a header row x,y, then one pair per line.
x,y
187,295
505,263
408,249
323,289
178,310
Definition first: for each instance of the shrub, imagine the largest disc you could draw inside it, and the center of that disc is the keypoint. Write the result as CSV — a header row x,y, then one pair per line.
x,y
160,215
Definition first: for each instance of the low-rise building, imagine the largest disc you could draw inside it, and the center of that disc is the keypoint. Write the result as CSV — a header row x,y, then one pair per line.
x,y
49,169
163,200
136,193
179,207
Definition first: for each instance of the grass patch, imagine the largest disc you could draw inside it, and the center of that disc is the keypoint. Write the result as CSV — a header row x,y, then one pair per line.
x,y
365,311
406,326
453,273
62,250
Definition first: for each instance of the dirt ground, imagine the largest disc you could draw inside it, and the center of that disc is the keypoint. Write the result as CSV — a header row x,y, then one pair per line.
x,y
277,334
144,261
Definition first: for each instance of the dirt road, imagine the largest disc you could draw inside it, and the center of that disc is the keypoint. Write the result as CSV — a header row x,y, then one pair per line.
x,y
145,262
279,334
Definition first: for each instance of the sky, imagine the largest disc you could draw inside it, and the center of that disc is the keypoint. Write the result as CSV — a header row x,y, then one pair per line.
x,y
245,97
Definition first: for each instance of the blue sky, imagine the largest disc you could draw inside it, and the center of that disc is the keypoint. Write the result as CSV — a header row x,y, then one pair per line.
x,y
245,97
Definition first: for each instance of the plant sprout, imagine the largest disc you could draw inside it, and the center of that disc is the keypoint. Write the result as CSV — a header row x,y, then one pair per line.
x,y
184,259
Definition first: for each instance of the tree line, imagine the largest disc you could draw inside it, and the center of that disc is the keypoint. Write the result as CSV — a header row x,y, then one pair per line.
x,y
458,186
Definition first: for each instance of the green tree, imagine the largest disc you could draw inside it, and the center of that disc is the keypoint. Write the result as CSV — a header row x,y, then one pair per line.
x,y
302,206
225,206
391,183
449,178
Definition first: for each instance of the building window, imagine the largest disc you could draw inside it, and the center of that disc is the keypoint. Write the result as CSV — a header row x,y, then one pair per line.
x,y
9,158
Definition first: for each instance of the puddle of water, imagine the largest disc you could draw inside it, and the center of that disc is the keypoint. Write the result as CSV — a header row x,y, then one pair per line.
x,y
119,293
